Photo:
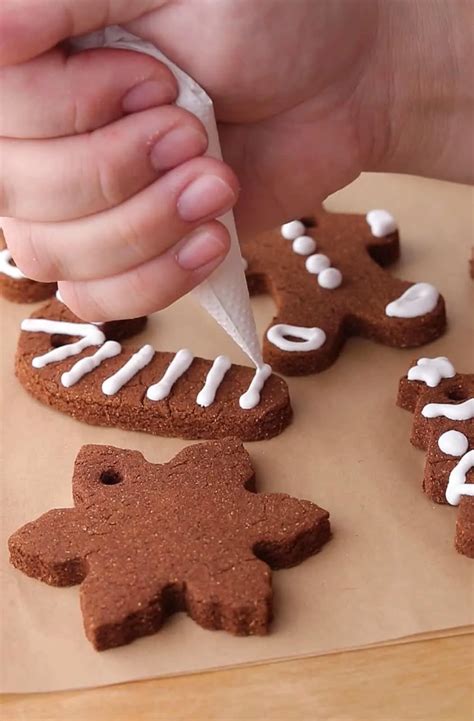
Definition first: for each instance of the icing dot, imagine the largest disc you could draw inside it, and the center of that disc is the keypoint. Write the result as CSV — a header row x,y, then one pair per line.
x,y
330,278
431,370
304,245
453,443
381,223
293,229
317,263
311,338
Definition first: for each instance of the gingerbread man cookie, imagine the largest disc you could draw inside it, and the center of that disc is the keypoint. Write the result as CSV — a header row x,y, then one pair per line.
x,y
146,540
328,283
442,401
17,287
97,380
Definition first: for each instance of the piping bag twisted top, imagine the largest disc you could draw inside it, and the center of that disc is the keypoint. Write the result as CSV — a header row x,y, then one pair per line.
x,y
224,295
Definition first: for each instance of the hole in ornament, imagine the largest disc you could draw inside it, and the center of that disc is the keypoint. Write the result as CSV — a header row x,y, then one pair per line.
x,y
110,477
309,221
457,394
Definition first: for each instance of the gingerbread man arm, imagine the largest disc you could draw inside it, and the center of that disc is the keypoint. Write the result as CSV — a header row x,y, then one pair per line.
x,y
53,548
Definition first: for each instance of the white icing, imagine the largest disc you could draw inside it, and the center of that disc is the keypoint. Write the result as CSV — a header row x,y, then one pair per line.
x,y
134,364
110,349
381,222
457,484
245,263
90,336
419,299
175,370
7,267
304,245
330,278
59,296
214,378
293,229
317,263
431,370
453,443
251,397
311,338
454,411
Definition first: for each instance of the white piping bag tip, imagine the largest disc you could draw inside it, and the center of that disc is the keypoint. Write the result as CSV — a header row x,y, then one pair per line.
x,y
224,295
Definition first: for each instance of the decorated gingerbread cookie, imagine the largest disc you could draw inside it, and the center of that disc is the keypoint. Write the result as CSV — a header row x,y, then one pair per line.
x,y
81,369
146,540
17,287
328,282
442,401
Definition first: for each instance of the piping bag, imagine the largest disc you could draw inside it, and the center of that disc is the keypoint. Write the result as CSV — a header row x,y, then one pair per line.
x,y
224,295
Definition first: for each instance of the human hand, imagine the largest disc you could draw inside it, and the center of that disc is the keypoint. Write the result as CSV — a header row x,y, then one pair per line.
x,y
308,95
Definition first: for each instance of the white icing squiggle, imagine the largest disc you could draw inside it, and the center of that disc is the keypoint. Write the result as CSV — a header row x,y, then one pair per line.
x,y
419,299
453,443
431,370
251,397
84,366
178,366
311,338
7,267
457,484
214,378
381,223
136,363
90,336
454,411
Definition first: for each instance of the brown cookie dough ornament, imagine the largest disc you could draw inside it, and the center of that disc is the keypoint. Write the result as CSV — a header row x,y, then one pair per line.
x,y
443,405
17,287
328,283
146,540
81,369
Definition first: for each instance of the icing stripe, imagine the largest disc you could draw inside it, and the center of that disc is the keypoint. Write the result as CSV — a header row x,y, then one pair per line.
x,y
110,349
90,336
136,363
454,411
214,378
178,366
457,485
7,267
251,397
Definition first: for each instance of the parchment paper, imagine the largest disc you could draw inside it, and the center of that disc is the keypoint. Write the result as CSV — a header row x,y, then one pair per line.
x,y
390,570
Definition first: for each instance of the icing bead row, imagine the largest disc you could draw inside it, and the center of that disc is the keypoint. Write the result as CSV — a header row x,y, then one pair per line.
x,y
316,263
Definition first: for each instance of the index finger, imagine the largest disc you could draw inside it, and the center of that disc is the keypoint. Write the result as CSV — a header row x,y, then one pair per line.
x,y
30,27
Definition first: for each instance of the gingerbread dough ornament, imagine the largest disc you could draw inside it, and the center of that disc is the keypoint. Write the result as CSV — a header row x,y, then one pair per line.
x,y
81,369
328,283
146,540
17,287
442,401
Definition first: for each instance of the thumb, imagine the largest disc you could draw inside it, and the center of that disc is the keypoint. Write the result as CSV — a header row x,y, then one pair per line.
x,y
30,27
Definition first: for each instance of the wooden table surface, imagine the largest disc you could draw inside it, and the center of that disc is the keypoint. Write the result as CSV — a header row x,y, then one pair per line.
x,y
428,680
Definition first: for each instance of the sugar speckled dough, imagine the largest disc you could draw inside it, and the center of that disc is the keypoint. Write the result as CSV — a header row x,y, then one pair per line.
x,y
146,540
356,306
178,415
428,434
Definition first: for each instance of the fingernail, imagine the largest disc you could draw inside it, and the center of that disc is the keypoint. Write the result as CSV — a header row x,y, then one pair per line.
x,y
207,196
176,146
200,248
148,94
